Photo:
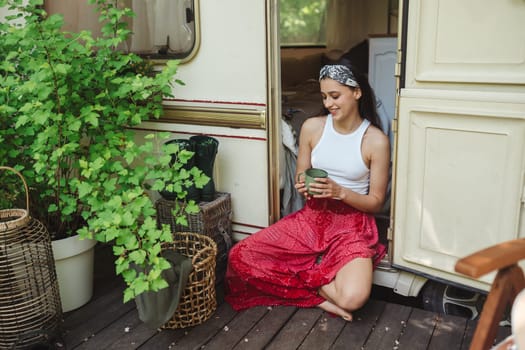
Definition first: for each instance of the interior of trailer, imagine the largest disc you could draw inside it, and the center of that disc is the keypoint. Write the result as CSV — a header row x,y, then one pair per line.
x,y
364,32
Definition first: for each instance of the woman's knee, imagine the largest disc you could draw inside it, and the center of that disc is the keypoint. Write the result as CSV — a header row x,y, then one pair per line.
x,y
234,250
353,298
235,257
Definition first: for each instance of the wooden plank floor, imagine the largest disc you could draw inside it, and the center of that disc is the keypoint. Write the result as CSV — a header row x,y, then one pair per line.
x,y
106,323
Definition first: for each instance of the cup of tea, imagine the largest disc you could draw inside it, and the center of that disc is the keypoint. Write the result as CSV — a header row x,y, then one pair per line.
x,y
309,177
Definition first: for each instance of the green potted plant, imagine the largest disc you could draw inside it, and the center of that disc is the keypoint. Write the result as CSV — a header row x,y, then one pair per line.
x,y
68,105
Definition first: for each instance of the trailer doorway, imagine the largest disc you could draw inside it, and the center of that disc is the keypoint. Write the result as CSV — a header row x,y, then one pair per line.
x,y
314,33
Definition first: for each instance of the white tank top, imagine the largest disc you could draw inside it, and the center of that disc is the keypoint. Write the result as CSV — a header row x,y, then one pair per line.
x,y
340,155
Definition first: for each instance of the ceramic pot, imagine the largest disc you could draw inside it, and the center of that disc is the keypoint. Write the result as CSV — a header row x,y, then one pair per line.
x,y
74,263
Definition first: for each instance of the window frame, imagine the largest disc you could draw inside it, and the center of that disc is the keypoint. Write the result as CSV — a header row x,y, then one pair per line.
x,y
160,59
156,58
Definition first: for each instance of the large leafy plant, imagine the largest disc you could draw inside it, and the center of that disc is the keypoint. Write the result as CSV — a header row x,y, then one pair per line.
x,y
68,105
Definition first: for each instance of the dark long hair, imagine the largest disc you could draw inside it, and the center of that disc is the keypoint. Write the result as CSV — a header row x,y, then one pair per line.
x,y
367,103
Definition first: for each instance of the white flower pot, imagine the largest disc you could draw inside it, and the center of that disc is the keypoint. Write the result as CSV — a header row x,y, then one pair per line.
x,y
74,262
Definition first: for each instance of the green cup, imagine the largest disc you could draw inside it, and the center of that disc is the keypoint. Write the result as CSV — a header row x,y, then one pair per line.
x,y
309,177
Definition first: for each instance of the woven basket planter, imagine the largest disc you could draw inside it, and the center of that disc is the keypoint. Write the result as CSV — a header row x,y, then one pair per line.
x,y
198,300
30,309
213,220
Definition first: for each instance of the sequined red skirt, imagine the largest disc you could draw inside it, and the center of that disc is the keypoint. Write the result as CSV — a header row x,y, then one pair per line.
x,y
287,262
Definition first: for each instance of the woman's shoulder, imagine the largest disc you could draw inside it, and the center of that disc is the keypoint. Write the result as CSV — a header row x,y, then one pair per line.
x,y
376,138
312,130
314,122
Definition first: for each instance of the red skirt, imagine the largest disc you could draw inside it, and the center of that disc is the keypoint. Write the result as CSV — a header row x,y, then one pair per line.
x,y
287,262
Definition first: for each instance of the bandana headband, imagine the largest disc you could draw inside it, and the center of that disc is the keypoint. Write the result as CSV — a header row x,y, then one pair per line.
x,y
339,73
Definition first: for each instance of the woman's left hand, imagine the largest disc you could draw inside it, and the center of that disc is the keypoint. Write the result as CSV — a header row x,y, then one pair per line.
x,y
326,187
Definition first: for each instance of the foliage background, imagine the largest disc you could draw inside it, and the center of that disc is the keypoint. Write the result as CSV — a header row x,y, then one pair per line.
x,y
302,22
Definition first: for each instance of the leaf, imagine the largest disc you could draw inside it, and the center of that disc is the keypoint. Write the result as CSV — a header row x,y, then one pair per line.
x,y
181,220
75,126
192,208
140,286
155,249
158,284
62,68
92,118
111,233
164,264
166,235
97,163
129,294
154,273
201,180
138,256
129,156
128,274
118,250
158,185
117,219
40,117
150,224
84,189
127,219
84,233
110,185
132,242
22,120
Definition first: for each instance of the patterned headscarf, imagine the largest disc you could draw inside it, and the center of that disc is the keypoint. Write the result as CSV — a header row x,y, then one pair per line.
x,y
339,73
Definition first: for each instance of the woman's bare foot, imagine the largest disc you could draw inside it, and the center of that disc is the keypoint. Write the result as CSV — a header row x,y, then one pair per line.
x,y
334,309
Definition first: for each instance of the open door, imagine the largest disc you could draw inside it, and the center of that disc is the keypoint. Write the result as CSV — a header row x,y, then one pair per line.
x,y
460,150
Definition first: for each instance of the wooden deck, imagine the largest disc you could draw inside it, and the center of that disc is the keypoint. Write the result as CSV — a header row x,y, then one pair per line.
x,y
106,323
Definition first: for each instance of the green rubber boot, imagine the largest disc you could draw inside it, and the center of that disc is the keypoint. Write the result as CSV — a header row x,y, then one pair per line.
x,y
205,151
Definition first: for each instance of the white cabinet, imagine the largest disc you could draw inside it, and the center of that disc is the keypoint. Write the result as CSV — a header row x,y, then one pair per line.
x,y
381,70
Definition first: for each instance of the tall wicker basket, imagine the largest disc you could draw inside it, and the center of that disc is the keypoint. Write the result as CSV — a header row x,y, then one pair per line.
x,y
30,305
198,300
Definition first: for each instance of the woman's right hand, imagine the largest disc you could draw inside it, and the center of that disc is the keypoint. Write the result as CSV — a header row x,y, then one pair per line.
x,y
300,185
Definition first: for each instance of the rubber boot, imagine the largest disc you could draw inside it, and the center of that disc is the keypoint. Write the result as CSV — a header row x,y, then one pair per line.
x,y
192,192
205,151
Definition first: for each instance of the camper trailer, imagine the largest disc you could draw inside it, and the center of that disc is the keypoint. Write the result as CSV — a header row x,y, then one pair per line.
x,y
450,82
450,78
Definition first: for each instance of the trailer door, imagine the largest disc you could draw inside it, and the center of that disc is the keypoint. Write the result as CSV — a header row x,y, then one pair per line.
x,y
460,149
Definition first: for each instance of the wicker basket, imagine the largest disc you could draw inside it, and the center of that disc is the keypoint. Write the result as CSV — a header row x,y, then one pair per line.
x,y
30,305
198,301
213,220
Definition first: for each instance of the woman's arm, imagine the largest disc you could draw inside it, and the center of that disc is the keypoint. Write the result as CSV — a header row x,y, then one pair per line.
x,y
310,134
376,149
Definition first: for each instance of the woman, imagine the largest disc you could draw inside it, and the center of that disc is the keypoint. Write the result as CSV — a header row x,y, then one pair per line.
x,y
323,255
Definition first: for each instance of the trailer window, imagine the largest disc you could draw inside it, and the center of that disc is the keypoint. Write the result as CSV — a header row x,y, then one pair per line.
x,y
303,22
162,29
